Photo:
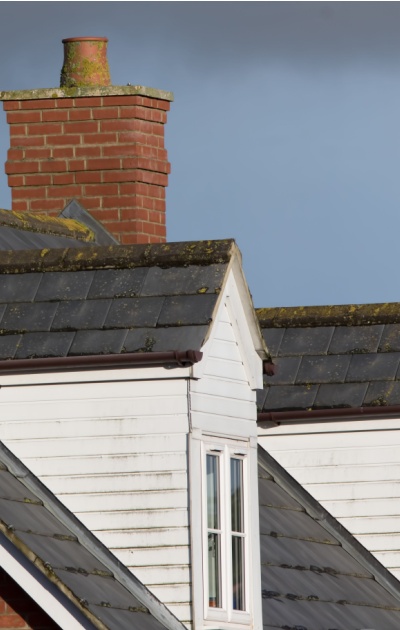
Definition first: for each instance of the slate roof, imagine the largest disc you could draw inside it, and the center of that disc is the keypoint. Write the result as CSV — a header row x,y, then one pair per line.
x,y
109,300
314,574
75,227
70,557
332,357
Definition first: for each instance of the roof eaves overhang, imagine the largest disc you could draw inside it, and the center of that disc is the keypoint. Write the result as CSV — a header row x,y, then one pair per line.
x,y
172,359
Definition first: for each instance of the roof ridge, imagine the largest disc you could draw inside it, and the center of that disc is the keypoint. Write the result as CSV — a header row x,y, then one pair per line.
x,y
330,315
180,254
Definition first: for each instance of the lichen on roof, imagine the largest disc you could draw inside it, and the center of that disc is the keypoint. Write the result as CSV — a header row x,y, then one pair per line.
x,y
165,255
337,315
43,224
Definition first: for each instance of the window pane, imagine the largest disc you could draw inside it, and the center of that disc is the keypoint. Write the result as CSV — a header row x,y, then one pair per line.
x,y
212,492
237,573
214,562
237,495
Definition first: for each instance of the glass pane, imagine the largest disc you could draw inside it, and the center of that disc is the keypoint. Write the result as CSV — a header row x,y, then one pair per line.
x,y
212,492
214,561
237,573
237,495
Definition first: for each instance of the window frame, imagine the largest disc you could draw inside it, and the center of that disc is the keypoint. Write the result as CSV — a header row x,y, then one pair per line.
x,y
225,451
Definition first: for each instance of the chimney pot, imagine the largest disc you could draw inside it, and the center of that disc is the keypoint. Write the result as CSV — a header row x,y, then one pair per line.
x,y
85,62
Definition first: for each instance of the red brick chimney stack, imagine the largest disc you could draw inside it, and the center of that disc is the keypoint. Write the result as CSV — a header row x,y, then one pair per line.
x,y
102,145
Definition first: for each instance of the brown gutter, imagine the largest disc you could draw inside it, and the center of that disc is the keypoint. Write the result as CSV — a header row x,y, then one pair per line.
x,y
99,361
277,417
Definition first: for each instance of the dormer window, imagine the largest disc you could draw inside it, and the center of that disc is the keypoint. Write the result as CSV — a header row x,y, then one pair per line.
x,y
226,556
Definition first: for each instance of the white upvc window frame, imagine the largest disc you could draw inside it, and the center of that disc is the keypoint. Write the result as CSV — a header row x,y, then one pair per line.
x,y
225,452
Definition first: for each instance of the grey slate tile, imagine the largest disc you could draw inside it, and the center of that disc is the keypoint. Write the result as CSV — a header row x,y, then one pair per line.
x,y
58,285
286,369
165,339
8,346
81,315
390,340
57,552
382,394
289,397
30,517
28,317
110,283
355,339
134,312
19,287
300,341
373,367
97,342
340,395
273,338
186,310
2,311
40,345
184,280
323,369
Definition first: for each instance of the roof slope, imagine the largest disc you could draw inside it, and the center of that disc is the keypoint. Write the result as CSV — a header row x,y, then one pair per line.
x,y
332,357
70,557
315,575
110,300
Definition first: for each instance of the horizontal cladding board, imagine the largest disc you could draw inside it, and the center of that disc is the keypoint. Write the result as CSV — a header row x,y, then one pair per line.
x,y
96,408
224,330
126,539
104,464
173,593
94,391
373,525
337,426
354,491
230,407
226,350
144,500
363,507
96,426
228,369
135,519
238,427
90,487
159,574
390,559
380,542
219,386
67,447
182,612
350,473
157,556
337,457
337,441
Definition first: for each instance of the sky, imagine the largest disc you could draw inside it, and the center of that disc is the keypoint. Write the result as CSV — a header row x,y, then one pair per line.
x,y
284,133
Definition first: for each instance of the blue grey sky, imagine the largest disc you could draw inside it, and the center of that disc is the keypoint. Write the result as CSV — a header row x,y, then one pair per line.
x,y
284,133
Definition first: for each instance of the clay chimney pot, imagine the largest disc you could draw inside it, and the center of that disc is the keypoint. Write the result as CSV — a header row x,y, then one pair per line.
x,y
85,62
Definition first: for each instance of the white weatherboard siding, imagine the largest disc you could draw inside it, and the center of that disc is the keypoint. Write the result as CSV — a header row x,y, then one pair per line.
x,y
116,454
353,469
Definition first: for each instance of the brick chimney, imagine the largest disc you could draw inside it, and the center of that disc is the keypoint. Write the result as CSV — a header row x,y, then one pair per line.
x,y
100,144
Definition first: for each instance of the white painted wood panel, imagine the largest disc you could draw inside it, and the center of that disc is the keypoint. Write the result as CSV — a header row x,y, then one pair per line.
x,y
155,556
154,483
150,500
116,454
353,469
